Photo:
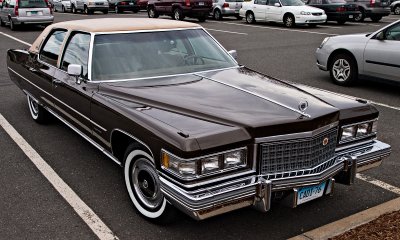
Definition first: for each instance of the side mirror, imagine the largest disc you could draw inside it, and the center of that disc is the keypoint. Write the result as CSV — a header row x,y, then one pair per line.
x,y
75,70
233,53
380,36
277,5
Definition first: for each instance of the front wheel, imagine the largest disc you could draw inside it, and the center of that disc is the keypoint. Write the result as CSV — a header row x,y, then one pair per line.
x,y
151,12
38,113
73,9
250,17
144,186
360,17
376,18
217,14
289,21
343,70
178,14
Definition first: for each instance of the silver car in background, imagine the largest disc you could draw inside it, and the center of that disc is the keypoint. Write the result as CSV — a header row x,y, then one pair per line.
x,y
350,57
223,8
62,6
23,12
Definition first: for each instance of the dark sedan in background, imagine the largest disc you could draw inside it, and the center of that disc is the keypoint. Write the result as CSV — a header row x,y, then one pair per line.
x,y
336,10
120,6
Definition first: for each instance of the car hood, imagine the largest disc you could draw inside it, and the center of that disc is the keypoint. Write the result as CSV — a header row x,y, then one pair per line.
x,y
359,38
298,9
240,101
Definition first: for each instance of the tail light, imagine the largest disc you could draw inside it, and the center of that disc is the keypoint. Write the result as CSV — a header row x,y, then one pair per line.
x,y
16,12
341,9
187,3
123,3
226,5
49,6
372,3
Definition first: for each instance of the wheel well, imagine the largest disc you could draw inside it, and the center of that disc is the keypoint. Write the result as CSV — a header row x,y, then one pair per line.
x,y
341,51
249,11
150,6
287,14
120,142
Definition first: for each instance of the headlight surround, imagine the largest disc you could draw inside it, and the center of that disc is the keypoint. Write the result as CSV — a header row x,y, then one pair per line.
x,y
358,131
305,13
189,169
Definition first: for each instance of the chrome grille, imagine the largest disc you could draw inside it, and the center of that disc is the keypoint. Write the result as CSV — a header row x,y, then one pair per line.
x,y
297,155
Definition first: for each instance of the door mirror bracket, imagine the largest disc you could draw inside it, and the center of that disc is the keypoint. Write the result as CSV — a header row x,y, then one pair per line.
x,y
234,54
380,36
277,5
75,70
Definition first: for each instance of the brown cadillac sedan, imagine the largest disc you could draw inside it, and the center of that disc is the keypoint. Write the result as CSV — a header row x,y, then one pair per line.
x,y
191,127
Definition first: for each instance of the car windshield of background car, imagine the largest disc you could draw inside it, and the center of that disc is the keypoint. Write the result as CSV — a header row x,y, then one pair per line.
x,y
32,4
292,3
124,56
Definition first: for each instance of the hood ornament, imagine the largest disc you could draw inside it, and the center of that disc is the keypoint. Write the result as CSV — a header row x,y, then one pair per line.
x,y
303,105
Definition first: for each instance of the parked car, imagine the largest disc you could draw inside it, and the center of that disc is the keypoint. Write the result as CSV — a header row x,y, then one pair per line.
x,y
173,110
395,7
179,9
350,57
336,10
374,9
288,12
62,5
25,12
120,6
89,6
223,8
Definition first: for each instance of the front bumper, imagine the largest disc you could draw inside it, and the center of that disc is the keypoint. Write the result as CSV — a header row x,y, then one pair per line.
x,y
322,57
33,20
337,16
254,190
229,12
310,19
98,7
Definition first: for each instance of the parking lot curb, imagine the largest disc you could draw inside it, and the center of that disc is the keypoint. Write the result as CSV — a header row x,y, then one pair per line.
x,y
350,222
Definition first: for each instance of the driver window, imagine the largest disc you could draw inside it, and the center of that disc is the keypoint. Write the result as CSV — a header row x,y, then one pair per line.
x,y
77,52
272,2
262,2
393,33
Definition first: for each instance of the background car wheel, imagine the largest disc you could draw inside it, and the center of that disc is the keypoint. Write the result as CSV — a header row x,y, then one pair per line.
x,y
341,22
12,25
288,20
38,113
217,15
397,10
360,17
376,18
144,187
343,70
86,10
178,15
250,17
54,8
63,9
73,9
151,12
117,9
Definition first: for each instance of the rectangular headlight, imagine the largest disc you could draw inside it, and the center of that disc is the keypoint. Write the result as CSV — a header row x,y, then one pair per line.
x,y
363,129
349,132
232,159
210,164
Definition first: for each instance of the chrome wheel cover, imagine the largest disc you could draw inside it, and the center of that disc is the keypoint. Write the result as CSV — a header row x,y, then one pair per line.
x,y
217,15
289,21
341,70
177,15
397,10
145,184
33,107
151,13
249,18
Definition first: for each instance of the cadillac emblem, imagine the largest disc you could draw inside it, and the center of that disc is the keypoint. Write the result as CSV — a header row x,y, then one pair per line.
x,y
325,141
303,105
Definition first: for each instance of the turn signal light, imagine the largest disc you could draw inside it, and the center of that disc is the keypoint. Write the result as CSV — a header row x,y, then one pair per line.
x,y
341,9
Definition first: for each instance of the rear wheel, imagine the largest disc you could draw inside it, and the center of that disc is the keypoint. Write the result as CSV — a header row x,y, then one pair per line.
x,y
63,9
376,18
73,9
250,17
360,17
12,25
343,70
341,22
38,113
151,12
144,186
217,14
178,15
289,21
397,10
86,10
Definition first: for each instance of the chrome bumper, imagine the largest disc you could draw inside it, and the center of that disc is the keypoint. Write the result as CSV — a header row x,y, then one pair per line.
x,y
254,190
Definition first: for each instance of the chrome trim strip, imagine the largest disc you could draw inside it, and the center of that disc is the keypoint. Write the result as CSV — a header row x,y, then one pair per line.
x,y
353,145
97,125
358,123
133,137
296,135
103,150
244,165
257,95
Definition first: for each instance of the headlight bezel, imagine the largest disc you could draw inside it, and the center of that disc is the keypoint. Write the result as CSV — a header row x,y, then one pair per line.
x,y
370,127
305,13
200,173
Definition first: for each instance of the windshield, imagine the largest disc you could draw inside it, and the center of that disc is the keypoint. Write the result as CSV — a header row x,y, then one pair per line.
x,y
32,4
292,3
150,54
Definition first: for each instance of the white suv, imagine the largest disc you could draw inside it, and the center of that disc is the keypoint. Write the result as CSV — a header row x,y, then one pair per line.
x,y
89,6
289,12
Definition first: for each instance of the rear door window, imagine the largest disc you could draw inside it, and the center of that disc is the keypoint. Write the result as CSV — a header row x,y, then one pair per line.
x,y
32,4
52,47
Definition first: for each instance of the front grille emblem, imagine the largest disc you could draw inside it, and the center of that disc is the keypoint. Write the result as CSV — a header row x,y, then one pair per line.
x,y
325,141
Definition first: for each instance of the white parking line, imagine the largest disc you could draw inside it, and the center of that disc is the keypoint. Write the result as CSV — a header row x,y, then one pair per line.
x,y
15,39
326,26
80,207
379,183
216,30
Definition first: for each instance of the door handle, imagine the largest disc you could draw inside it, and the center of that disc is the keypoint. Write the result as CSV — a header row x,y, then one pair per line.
x,y
56,82
32,69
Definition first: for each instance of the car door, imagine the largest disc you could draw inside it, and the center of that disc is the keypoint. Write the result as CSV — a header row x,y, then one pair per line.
x,y
382,57
274,13
41,68
73,97
259,8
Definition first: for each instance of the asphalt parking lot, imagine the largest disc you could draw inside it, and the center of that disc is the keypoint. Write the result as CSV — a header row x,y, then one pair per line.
x,y
31,208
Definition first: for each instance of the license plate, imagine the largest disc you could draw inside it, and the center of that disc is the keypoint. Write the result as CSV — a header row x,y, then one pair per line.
x,y
309,193
350,16
201,3
32,13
